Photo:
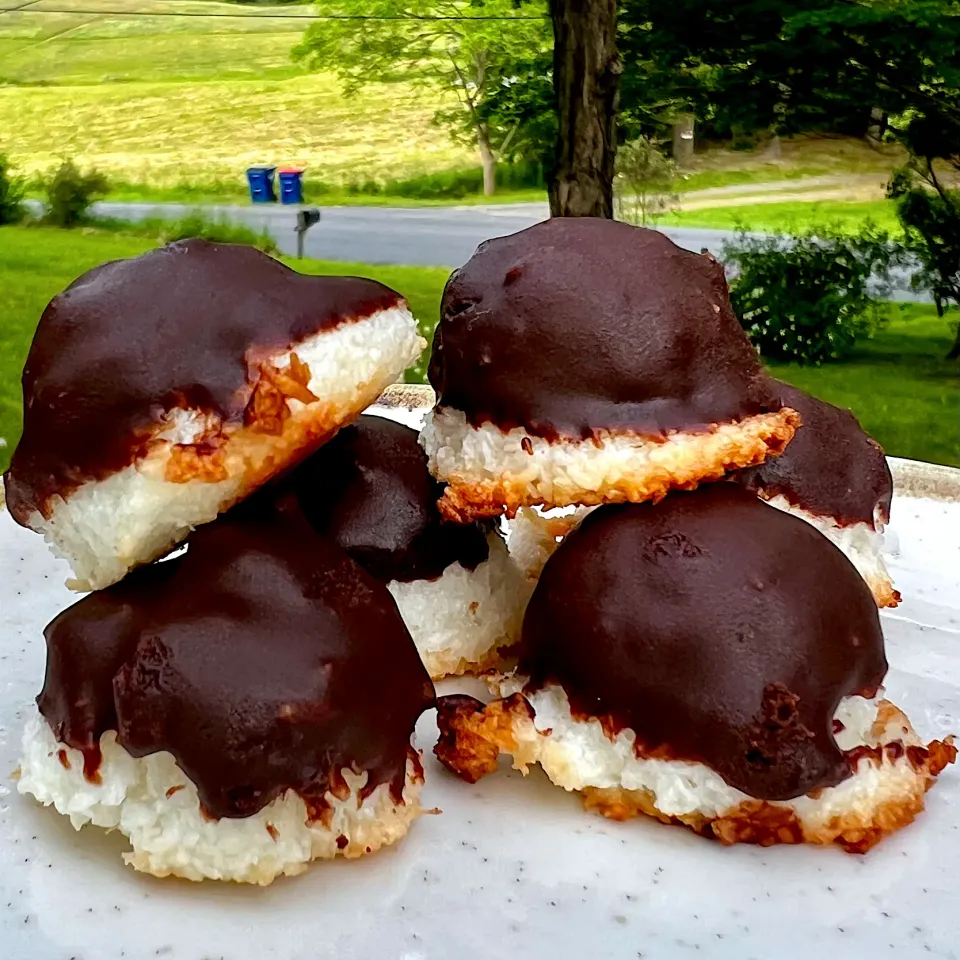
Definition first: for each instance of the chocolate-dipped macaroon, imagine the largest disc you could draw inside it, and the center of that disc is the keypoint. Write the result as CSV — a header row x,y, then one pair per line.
x,y
236,712
835,476
711,661
162,389
369,491
589,361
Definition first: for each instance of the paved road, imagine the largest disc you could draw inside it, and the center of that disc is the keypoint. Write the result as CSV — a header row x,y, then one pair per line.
x,y
421,236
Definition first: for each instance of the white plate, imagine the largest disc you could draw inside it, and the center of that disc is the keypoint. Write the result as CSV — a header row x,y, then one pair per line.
x,y
512,867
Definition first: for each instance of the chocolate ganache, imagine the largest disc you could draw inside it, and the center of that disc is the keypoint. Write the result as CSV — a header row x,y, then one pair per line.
x,y
183,326
831,467
717,628
578,325
369,491
264,659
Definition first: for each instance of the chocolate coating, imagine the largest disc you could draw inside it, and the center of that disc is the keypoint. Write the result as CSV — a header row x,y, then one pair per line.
x,y
577,325
263,660
717,628
831,467
369,491
183,326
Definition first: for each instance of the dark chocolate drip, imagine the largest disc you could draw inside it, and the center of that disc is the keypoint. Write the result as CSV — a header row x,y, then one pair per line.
x,y
183,326
578,325
264,660
717,628
831,467
86,645
369,491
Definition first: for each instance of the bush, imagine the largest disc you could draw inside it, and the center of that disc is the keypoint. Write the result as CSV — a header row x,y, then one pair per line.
x,y
194,225
216,231
70,193
646,181
808,298
450,184
11,194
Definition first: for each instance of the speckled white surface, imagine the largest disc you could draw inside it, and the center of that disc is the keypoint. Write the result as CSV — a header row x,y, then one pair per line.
x,y
512,867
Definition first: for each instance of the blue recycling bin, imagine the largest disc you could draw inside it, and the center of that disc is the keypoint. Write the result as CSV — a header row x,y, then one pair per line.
x,y
261,184
291,186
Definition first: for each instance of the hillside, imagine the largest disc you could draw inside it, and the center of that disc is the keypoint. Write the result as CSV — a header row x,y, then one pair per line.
x,y
161,99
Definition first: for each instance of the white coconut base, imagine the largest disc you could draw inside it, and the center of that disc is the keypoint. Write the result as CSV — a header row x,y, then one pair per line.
x,y
862,544
883,794
490,471
153,803
460,620
107,527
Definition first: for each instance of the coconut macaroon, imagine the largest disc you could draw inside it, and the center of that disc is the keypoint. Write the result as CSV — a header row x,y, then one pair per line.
x,y
237,712
835,476
460,595
162,389
709,661
588,361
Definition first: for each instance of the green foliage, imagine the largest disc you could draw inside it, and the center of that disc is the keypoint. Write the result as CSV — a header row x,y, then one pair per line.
x,y
452,184
12,189
755,65
70,193
808,298
217,231
468,49
645,181
523,103
929,210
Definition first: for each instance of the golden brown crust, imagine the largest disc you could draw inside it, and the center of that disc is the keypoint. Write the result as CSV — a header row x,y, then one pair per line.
x,y
883,592
472,736
756,439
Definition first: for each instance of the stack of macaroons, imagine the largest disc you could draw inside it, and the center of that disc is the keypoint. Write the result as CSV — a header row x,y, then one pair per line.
x,y
832,474
249,706
696,656
369,491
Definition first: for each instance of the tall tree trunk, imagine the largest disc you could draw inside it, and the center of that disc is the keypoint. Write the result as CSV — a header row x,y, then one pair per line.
x,y
586,80
489,161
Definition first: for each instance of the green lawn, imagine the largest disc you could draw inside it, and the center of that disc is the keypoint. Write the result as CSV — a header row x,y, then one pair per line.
x,y
905,394
792,216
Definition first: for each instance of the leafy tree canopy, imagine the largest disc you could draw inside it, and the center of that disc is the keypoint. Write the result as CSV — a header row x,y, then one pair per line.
x,y
472,49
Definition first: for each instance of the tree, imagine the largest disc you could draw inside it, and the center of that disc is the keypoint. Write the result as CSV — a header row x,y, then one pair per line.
x,y
586,78
12,190
645,180
465,48
929,208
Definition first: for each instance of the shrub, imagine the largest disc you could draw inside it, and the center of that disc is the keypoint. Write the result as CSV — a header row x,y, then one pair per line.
x,y
646,181
70,193
808,298
217,231
12,189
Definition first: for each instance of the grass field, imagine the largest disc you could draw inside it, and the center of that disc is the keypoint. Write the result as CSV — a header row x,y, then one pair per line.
x,y
905,394
790,216
161,100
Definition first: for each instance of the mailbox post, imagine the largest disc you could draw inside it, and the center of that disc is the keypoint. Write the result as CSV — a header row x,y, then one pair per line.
x,y
305,220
